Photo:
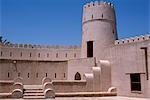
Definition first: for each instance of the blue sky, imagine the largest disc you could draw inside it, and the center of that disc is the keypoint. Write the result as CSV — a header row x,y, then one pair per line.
x,y
58,22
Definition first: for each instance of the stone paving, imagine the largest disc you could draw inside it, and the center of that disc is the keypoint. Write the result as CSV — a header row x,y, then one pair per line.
x,y
87,98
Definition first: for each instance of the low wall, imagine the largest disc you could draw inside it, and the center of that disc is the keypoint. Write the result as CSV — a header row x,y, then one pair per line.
x,y
69,86
6,86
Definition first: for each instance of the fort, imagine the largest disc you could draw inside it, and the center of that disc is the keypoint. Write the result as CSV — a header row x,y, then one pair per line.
x,y
101,66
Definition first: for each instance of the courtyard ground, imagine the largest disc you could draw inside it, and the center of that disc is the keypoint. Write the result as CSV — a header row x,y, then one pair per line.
x,y
87,98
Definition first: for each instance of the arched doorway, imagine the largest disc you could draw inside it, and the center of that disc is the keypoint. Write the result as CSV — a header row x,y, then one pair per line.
x,y
77,76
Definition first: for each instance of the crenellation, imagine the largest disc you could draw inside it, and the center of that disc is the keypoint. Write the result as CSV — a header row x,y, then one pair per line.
x,y
133,39
98,3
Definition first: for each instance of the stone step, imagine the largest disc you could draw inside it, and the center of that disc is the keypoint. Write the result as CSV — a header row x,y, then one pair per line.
x,y
33,91
33,97
32,86
33,94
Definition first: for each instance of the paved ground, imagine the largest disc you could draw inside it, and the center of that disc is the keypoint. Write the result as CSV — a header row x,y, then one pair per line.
x,y
87,98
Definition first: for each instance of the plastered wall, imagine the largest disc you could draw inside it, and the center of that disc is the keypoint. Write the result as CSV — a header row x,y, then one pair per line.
x,y
33,72
127,58
17,52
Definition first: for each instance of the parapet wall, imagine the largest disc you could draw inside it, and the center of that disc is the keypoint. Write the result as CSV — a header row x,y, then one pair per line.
x,y
98,10
133,40
40,46
38,52
98,3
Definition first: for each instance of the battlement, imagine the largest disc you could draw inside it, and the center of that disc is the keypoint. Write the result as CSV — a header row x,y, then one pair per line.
x,y
98,3
40,46
133,39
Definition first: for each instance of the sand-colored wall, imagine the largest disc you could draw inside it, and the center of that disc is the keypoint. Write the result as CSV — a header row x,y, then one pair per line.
x,y
36,69
17,52
128,58
69,86
82,66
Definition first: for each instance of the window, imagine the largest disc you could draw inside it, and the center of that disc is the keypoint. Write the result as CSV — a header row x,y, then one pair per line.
x,y
90,49
64,75
75,55
66,55
39,55
77,76
36,75
92,16
55,75
18,74
8,74
45,74
47,55
28,75
1,53
113,31
56,55
135,82
30,55
102,15
10,54
21,54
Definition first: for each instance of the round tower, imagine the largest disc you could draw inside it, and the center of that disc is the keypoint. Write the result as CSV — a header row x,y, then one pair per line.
x,y
98,29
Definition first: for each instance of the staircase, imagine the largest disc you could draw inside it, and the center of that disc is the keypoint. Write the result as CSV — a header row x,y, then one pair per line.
x,y
33,92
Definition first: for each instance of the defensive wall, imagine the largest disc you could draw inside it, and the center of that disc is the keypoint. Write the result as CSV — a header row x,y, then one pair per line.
x,y
37,52
127,57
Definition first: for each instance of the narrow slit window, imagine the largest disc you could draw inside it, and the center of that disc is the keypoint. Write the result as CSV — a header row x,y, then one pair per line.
x,y
75,55
64,75
28,75
10,54
39,55
102,15
30,55
55,75
45,74
21,54
37,75
47,55
56,55
8,74
18,74
1,53
92,16
66,55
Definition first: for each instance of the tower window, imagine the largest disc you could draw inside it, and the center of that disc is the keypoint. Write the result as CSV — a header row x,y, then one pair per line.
x,y
113,31
90,49
102,15
92,16
135,82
